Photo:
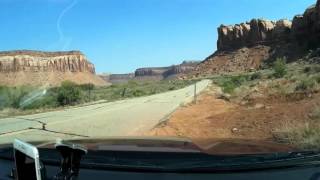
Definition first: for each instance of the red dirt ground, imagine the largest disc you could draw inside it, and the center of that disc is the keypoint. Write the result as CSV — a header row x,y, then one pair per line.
x,y
213,118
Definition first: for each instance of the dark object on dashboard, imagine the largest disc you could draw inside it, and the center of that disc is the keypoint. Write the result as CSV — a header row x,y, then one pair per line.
x,y
70,160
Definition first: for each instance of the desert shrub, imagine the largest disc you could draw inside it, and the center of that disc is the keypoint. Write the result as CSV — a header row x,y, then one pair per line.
x,y
229,84
279,68
172,88
315,115
305,84
68,93
312,69
256,75
15,96
138,93
88,86
229,87
317,79
307,69
47,101
303,136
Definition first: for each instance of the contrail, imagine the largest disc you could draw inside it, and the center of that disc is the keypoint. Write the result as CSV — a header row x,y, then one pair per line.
x,y
63,42
62,14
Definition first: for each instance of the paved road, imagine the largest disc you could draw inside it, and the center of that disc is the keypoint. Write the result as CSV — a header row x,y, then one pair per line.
x,y
120,118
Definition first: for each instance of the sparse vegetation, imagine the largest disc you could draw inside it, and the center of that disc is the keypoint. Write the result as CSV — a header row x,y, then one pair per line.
x,y
312,69
315,115
68,93
230,83
26,98
305,136
306,85
255,76
279,67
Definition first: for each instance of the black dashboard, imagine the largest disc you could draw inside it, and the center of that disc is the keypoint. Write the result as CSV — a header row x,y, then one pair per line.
x,y
299,169
307,173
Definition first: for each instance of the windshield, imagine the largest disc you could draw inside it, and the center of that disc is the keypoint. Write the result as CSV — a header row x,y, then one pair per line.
x,y
229,78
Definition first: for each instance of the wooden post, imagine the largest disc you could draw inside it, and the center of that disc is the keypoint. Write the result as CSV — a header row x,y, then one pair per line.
x,y
195,93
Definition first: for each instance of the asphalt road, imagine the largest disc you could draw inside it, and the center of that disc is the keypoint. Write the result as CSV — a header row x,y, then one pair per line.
x,y
120,118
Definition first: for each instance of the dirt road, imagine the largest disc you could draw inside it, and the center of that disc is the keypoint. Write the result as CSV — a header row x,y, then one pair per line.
x,y
120,118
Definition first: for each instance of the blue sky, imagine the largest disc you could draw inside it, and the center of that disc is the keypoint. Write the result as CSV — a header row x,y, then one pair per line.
x,y
119,36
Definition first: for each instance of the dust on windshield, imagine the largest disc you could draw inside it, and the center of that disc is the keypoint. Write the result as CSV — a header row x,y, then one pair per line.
x,y
74,69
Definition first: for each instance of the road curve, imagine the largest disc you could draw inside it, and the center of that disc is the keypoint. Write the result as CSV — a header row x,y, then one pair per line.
x,y
120,118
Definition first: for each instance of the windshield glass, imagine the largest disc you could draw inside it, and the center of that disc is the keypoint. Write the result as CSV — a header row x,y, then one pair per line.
x,y
229,78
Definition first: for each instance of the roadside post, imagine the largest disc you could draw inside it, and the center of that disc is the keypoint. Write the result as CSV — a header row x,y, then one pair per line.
x,y
195,93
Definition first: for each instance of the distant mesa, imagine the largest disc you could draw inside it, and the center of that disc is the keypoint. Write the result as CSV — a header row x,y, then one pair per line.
x,y
26,67
153,73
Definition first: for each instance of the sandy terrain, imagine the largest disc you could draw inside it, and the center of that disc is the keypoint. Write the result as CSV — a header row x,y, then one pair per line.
x,y
216,118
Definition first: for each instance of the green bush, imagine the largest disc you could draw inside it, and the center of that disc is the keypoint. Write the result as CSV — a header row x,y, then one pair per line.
x,y
316,113
138,93
280,68
48,101
306,84
317,79
229,86
88,86
68,93
312,69
307,69
256,75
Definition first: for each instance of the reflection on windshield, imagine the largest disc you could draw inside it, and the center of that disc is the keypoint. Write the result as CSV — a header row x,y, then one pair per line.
x,y
119,70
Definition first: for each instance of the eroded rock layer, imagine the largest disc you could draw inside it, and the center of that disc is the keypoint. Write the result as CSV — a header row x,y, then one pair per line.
x,y
304,29
37,68
246,46
34,61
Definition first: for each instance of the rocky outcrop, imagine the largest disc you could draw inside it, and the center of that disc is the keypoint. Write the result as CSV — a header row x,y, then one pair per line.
x,y
159,73
255,32
304,29
117,78
51,68
246,46
34,61
152,73
244,59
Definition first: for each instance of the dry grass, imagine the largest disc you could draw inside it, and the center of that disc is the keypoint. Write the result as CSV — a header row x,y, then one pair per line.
x,y
304,136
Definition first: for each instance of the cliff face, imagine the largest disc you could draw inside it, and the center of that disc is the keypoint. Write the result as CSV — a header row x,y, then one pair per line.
x,y
257,31
246,46
303,29
34,61
51,68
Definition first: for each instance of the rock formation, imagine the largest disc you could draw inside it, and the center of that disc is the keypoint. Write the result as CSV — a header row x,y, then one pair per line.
x,y
152,73
33,61
159,73
117,78
37,68
257,32
246,46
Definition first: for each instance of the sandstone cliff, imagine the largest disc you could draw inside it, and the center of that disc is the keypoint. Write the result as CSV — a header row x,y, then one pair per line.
x,y
51,68
256,32
246,46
